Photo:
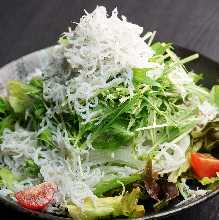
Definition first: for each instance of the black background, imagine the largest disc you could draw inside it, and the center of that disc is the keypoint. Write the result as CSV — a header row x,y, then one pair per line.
x,y
29,25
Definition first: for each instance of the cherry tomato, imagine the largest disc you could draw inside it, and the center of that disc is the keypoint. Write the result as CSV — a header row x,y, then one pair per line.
x,y
37,197
204,165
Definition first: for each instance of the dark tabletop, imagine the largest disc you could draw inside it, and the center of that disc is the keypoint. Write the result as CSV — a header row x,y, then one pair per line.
x,y
29,25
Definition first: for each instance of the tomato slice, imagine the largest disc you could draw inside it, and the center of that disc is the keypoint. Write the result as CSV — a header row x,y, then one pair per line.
x,y
204,165
37,197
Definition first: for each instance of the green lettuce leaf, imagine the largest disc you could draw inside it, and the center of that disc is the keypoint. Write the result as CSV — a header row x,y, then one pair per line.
x,y
18,97
27,98
7,178
105,186
215,95
7,116
160,48
109,207
140,77
209,181
7,122
209,136
21,94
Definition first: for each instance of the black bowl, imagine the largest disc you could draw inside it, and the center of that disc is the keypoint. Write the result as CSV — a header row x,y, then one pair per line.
x,y
21,68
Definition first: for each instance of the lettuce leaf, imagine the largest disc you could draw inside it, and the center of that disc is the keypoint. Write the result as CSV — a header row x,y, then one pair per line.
x,y
209,136
7,178
186,192
21,94
215,95
209,181
18,98
109,207
7,117
105,186
160,48
27,98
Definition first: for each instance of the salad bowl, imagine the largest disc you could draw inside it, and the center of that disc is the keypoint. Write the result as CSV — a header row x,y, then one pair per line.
x,y
22,68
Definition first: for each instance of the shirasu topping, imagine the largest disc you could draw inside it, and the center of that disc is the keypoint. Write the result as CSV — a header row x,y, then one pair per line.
x,y
103,49
67,173
73,174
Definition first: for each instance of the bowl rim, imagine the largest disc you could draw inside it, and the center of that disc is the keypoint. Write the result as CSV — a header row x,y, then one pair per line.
x,y
166,213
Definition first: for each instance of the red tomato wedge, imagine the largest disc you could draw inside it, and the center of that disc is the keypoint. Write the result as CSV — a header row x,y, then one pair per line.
x,y
204,165
37,197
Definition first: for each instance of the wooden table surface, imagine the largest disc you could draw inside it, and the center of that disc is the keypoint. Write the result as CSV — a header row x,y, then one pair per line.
x,y
26,26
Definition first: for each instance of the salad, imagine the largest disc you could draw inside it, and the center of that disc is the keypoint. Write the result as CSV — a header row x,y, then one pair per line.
x,y
114,126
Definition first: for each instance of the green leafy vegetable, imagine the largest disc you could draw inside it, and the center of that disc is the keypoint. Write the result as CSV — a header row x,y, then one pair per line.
x,y
208,137
7,178
27,101
30,169
7,116
105,186
22,95
160,48
109,207
114,136
18,98
64,41
45,137
7,122
210,181
4,106
110,128
215,95
139,75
